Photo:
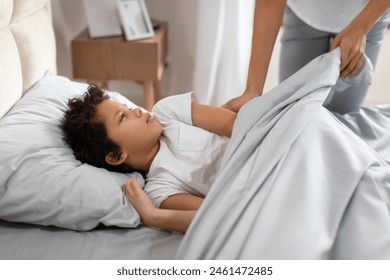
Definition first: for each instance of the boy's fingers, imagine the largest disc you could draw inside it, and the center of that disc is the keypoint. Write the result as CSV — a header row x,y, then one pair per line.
x,y
131,188
128,187
133,182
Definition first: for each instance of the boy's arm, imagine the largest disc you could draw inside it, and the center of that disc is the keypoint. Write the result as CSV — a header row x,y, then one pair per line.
x,y
171,220
182,202
215,119
167,219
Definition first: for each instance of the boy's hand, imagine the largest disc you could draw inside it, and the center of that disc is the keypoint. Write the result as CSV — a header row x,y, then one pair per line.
x,y
140,201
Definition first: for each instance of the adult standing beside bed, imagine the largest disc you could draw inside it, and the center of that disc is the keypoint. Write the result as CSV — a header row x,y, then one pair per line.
x,y
312,28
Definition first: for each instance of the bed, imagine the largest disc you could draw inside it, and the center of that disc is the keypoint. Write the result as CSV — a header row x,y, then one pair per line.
x,y
320,191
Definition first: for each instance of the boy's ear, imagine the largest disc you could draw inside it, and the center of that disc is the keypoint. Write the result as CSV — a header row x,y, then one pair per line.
x,y
110,159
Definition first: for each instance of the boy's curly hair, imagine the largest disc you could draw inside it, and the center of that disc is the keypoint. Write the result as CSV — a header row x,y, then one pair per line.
x,y
85,135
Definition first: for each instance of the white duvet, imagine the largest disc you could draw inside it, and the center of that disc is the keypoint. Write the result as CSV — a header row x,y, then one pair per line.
x,y
296,183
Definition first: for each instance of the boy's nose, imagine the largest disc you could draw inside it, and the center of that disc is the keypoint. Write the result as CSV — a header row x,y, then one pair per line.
x,y
139,112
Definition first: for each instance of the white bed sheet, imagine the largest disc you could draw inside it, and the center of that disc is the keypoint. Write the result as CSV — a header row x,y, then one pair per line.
x,y
29,242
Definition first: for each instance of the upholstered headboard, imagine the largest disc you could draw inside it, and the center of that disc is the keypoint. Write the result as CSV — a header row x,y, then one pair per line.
x,y
27,47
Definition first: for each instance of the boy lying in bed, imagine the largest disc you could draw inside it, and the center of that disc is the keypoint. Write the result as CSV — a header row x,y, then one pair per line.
x,y
179,149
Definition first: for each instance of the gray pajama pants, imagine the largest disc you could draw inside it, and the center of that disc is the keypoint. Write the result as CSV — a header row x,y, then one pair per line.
x,y
302,43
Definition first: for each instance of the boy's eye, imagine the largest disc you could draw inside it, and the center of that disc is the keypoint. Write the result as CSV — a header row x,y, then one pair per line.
x,y
121,117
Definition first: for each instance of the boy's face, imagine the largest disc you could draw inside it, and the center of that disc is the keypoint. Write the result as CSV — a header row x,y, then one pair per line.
x,y
136,132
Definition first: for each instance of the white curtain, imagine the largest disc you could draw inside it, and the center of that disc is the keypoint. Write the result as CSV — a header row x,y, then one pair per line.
x,y
223,41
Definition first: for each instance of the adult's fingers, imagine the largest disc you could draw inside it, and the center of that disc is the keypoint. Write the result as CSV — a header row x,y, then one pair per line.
x,y
353,66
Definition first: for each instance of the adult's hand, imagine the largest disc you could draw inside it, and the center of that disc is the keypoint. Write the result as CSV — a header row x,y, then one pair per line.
x,y
236,103
352,41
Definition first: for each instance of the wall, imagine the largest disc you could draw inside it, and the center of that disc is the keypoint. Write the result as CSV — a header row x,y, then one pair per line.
x,y
380,90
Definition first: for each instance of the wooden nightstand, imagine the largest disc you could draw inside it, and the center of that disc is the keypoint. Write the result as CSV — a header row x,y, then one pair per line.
x,y
114,58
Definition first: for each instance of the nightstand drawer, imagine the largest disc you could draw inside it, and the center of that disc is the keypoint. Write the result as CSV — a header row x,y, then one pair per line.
x,y
116,58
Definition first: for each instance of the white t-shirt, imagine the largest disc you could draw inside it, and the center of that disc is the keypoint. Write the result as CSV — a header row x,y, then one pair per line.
x,y
327,15
189,157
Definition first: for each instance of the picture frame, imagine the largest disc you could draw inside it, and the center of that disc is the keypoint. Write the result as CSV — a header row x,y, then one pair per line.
x,y
135,19
102,18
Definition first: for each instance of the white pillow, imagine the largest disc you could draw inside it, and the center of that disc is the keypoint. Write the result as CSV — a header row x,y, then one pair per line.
x,y
41,181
